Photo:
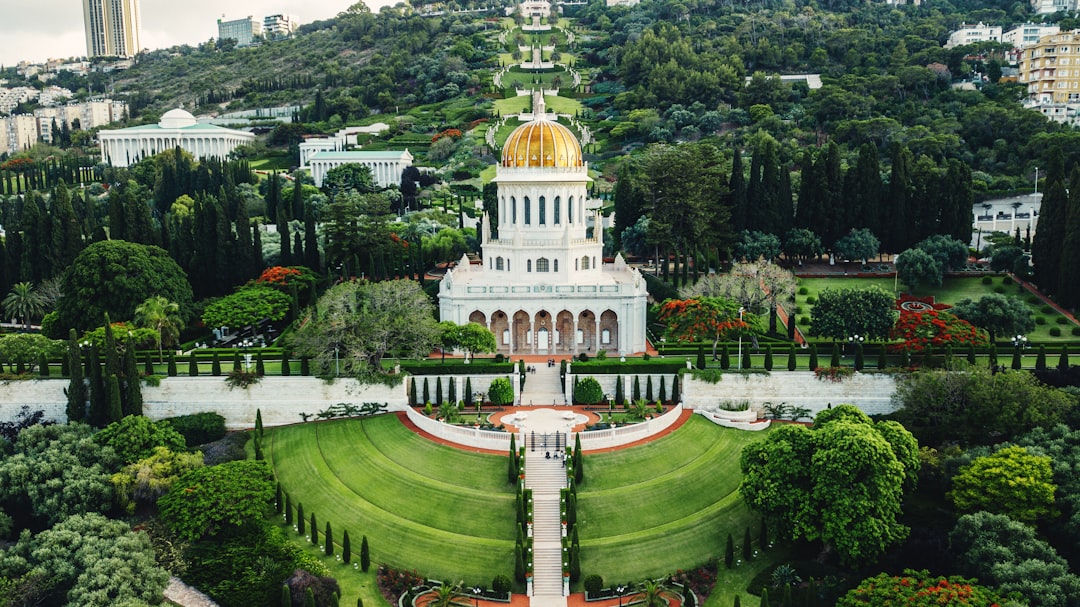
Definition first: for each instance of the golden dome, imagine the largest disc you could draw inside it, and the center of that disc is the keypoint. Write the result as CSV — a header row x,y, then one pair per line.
x,y
541,143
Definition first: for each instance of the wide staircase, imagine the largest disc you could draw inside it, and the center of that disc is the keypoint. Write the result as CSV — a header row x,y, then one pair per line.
x,y
543,386
546,477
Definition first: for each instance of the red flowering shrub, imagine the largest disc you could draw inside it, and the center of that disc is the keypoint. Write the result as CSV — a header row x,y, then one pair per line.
x,y
933,328
393,582
278,275
920,589
451,133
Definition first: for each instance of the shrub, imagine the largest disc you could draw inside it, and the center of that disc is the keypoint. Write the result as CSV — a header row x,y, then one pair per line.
x,y
199,428
1046,310
1007,280
588,391
1040,320
500,358
804,320
1061,320
987,280
502,584
1075,331
798,309
1031,299
593,584
811,299
803,290
999,289
1055,332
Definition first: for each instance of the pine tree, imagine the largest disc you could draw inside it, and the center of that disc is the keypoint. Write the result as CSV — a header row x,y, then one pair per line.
x,y
76,392
365,555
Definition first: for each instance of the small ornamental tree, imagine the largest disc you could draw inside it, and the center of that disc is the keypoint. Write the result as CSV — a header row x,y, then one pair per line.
x,y
314,530
1011,481
702,319
215,366
500,391
813,357
328,539
193,365
346,547
365,555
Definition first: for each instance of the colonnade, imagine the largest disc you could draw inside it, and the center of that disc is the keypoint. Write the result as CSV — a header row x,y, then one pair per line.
x,y
125,147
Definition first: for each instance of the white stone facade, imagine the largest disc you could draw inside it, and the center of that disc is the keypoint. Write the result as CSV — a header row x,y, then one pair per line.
x,y
177,128
970,34
386,167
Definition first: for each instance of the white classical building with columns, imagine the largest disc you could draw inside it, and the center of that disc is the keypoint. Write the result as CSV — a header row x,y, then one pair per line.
x,y
386,166
543,286
177,128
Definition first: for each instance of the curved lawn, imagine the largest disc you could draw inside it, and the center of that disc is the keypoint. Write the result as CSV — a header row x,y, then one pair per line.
x,y
419,512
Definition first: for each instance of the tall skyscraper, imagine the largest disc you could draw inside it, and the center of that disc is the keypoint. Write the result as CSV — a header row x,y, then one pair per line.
x,y
112,27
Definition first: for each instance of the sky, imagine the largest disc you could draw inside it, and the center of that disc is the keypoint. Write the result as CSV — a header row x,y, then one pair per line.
x,y
36,30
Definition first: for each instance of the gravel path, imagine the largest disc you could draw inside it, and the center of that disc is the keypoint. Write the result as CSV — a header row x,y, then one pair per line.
x,y
179,593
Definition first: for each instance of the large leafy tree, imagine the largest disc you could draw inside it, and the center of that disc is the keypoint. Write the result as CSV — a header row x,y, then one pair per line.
x,y
89,561
351,176
841,313
207,501
27,348
997,313
470,337
135,437
114,277
916,266
247,307
23,302
1011,481
1062,444
358,322
758,287
702,319
841,482
163,316
976,406
858,244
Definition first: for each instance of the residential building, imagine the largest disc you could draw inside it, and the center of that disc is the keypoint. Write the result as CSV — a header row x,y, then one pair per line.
x,y
1049,7
280,25
1023,36
244,31
112,28
1051,70
970,34
20,132
177,128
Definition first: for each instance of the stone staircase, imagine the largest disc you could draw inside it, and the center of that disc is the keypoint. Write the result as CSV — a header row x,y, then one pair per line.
x,y
546,477
543,387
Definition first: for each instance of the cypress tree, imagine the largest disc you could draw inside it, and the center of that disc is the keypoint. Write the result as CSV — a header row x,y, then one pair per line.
x,y
412,391
99,399
663,391
43,366
519,567
285,239
76,392
729,552
636,392
763,535
438,391
469,393
1063,360
116,412
148,365
764,597
859,357
309,598
737,603
286,596
278,504
346,547
365,555
172,365
1016,363
260,368
725,359
746,362
133,400
258,449
883,357
328,537
311,241
1040,361
427,395
305,366
813,357
314,530
452,391
971,354
215,366
575,563
511,466
286,371
1053,217
993,354
300,522
193,365
236,362
834,359
746,548
648,388
700,363
768,357
620,391
675,396
258,422
288,509
792,360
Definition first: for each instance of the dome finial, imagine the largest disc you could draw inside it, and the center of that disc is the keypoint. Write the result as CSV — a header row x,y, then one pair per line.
x,y
539,111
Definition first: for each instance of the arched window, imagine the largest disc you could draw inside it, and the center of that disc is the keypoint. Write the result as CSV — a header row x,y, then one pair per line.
x,y
542,264
543,211
558,203
576,264
570,210
528,265
513,210
585,262
605,336
502,206
528,209
498,263
556,265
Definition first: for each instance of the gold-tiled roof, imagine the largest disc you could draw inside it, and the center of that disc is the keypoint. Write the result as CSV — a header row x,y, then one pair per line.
x,y
541,143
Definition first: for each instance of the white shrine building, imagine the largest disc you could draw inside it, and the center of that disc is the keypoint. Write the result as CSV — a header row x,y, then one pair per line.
x,y
386,166
177,128
543,286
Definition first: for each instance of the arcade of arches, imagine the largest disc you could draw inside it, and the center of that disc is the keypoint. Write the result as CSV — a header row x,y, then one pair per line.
x,y
543,332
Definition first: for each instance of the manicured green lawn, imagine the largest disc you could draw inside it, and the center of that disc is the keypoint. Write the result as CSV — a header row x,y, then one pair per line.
x,y
562,105
442,511
667,505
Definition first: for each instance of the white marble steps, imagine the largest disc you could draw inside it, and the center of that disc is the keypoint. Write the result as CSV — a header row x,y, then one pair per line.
x,y
543,387
546,477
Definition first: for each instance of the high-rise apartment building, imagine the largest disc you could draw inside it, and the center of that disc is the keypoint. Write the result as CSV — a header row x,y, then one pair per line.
x,y
112,27
1051,70
243,30
280,25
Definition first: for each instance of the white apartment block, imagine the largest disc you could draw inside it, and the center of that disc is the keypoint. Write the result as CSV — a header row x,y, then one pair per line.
x,y
10,98
112,28
1025,35
280,25
20,133
970,34
244,31
1049,7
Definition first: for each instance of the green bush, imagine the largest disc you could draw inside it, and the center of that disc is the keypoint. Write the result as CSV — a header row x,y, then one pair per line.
x,y
1075,331
198,428
1032,299
804,320
798,309
987,280
501,584
1007,280
999,289
1040,320
1061,320
588,391
593,584
1046,309
1055,332
811,299
501,392
803,290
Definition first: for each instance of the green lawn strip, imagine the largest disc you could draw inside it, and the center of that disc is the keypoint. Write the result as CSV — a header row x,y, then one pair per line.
x,y
734,581
479,471
562,105
511,105
402,543
361,468
679,544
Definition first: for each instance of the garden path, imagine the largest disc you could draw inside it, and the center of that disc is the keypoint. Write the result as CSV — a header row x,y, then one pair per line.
x,y
546,476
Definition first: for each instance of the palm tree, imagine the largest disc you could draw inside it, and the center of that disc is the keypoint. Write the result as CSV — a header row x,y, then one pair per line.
x,y
654,594
24,302
163,316
449,595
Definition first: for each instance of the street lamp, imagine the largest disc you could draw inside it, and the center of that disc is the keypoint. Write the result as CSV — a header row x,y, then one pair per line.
x,y
741,311
247,355
856,339
1019,342
476,595
620,590
86,344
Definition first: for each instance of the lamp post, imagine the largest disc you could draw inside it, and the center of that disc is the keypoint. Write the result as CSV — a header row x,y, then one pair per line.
x,y
247,355
1020,343
856,340
741,311
620,590
896,275
476,595
86,344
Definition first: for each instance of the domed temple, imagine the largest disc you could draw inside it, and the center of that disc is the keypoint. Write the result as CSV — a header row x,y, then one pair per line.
x,y
543,286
